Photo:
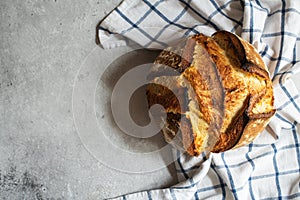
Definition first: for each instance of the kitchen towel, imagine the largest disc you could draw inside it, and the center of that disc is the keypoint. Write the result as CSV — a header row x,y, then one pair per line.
x,y
269,167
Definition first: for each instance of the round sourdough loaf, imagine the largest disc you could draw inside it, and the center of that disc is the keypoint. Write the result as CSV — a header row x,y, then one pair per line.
x,y
216,92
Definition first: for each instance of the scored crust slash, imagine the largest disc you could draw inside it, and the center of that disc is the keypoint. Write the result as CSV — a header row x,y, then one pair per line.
x,y
216,91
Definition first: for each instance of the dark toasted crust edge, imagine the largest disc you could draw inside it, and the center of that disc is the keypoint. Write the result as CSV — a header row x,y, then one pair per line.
x,y
254,69
257,122
252,64
253,100
252,129
179,127
187,55
239,47
232,135
187,136
210,73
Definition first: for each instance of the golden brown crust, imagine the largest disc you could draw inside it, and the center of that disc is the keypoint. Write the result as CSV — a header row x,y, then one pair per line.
x,y
187,136
233,134
166,63
206,82
250,61
236,93
252,129
187,55
235,106
228,92
263,108
159,94
254,69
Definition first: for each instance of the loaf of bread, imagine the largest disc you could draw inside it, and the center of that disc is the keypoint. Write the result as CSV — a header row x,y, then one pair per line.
x,y
216,92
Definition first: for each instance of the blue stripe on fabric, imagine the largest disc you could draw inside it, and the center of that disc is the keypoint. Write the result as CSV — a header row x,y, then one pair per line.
x,y
220,8
292,196
276,59
296,141
254,6
276,171
285,73
149,195
282,25
259,145
126,18
294,56
288,94
244,162
283,119
143,17
201,16
148,12
253,168
192,184
222,184
229,176
290,146
282,33
204,158
196,193
279,174
216,11
210,188
173,196
164,17
180,165
135,26
265,9
286,10
184,187
251,24
287,103
184,10
240,188
193,29
191,180
189,169
236,26
264,52
252,29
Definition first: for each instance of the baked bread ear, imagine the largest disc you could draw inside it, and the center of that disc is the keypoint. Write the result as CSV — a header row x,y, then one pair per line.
x,y
216,91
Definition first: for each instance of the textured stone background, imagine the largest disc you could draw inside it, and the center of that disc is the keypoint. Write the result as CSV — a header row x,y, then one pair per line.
x,y
42,45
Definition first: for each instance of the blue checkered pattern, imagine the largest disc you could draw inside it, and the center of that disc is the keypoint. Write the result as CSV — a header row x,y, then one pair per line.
x,y
268,168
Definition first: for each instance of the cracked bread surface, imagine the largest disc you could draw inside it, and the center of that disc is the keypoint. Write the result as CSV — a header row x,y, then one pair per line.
x,y
220,95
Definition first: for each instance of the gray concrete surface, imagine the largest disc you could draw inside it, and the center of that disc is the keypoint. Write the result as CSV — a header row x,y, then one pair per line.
x,y
42,46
